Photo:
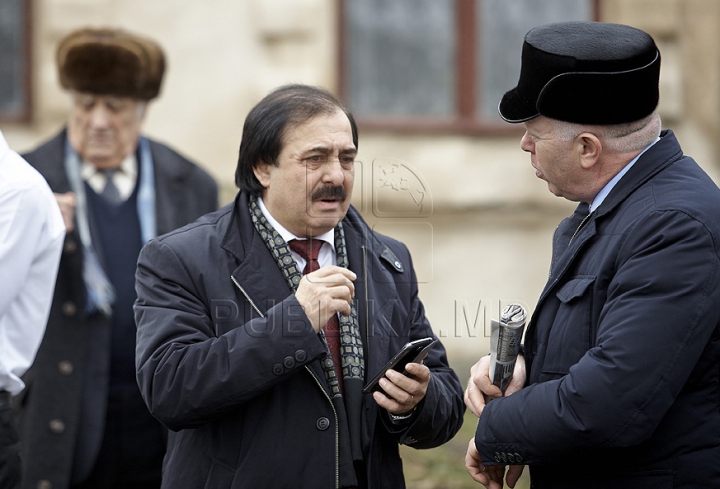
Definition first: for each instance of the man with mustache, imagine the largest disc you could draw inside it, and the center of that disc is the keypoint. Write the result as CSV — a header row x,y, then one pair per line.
x,y
82,420
260,324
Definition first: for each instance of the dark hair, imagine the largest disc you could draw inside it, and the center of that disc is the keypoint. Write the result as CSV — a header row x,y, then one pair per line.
x,y
266,123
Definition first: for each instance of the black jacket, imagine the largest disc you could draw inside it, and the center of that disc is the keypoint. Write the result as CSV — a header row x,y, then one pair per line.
x,y
228,361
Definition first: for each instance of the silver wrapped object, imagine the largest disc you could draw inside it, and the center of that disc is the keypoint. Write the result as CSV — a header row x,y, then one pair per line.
x,y
505,338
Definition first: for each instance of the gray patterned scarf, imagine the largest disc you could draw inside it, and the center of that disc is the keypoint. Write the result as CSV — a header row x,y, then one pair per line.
x,y
353,362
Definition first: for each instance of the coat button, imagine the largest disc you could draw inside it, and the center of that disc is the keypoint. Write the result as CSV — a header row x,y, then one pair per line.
x,y
69,309
300,356
497,458
323,423
289,362
511,458
44,484
57,426
278,369
518,458
65,367
503,457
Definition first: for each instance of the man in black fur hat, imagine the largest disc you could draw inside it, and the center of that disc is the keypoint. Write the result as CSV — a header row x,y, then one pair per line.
x,y
83,423
620,379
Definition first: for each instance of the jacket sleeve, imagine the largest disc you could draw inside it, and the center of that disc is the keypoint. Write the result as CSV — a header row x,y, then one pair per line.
x,y
658,315
440,414
187,372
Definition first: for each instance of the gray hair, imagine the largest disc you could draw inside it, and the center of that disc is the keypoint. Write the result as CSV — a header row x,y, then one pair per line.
x,y
618,138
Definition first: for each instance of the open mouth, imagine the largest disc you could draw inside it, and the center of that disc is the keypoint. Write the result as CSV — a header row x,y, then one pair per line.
x,y
329,195
327,205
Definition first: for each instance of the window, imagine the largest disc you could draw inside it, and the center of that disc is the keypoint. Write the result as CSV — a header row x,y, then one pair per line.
x,y
438,64
15,60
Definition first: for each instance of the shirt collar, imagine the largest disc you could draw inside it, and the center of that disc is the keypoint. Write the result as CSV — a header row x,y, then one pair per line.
x,y
600,197
128,167
328,237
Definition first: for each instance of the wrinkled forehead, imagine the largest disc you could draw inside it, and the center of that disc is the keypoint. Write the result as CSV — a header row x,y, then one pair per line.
x,y
321,129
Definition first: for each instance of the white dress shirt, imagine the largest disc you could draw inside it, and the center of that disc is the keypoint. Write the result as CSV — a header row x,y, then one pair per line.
x,y
124,179
327,254
31,239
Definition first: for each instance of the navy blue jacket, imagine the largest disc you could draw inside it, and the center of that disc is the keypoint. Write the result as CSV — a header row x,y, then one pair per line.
x,y
228,361
623,348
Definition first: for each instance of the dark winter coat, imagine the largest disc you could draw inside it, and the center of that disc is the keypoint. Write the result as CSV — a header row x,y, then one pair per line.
x,y
230,363
623,349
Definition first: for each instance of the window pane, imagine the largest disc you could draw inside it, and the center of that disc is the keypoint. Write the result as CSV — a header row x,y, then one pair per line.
x,y
12,58
502,28
400,57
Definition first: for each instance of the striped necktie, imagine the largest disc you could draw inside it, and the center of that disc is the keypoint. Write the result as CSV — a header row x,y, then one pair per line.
x,y
309,249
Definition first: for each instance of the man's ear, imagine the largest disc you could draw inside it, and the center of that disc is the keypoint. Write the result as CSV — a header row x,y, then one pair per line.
x,y
262,173
590,149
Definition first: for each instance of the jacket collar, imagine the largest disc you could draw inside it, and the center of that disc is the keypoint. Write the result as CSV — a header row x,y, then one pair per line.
x,y
50,163
654,160
238,231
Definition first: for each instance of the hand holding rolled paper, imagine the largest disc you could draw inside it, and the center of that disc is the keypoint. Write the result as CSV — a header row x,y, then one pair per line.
x,y
505,339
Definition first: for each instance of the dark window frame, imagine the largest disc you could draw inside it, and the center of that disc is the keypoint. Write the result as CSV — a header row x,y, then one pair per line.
x,y
465,122
24,115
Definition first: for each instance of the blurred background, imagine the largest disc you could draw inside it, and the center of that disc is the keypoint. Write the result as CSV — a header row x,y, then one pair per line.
x,y
437,167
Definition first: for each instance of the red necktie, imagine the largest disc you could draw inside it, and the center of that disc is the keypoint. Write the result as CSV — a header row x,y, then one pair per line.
x,y
309,249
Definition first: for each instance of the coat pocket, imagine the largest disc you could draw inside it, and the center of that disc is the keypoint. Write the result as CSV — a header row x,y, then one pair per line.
x,y
571,335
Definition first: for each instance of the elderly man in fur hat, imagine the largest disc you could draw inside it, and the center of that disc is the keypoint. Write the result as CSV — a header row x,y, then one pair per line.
x,y
620,382
83,423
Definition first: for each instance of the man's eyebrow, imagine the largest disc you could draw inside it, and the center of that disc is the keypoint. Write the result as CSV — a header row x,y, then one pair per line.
x,y
317,149
325,151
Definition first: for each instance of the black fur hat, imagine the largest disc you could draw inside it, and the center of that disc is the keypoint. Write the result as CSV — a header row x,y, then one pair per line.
x,y
585,72
110,62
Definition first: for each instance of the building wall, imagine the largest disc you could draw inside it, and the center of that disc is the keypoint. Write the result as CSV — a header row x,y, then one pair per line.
x,y
487,240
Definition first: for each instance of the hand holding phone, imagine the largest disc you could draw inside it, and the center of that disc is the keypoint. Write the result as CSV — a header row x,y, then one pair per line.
x,y
412,352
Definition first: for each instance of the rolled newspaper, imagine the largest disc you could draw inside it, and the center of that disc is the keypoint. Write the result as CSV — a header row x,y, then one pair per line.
x,y
505,338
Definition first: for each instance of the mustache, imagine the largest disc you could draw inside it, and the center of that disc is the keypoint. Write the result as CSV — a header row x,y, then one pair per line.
x,y
330,193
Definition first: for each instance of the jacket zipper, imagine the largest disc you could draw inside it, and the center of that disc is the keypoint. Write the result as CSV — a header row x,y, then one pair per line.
x,y
367,300
337,429
247,296
579,227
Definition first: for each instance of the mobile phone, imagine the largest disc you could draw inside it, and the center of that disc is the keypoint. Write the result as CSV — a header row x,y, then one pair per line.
x,y
412,352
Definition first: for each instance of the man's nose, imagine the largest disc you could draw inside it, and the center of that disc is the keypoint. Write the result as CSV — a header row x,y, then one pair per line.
x,y
334,172
526,143
99,116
